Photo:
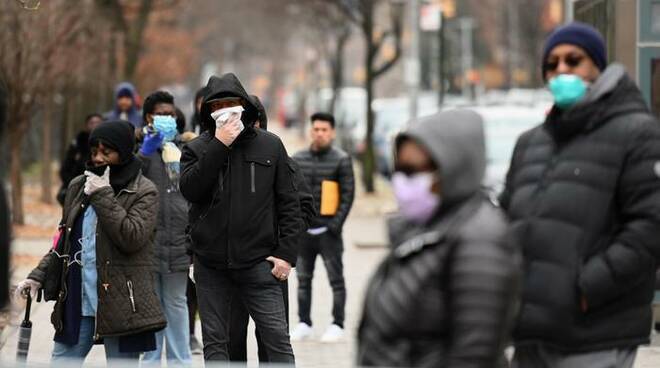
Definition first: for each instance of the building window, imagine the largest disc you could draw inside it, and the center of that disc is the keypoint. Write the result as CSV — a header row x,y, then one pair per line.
x,y
655,86
655,18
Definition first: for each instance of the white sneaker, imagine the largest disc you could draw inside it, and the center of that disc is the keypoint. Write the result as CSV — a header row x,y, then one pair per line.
x,y
334,333
302,332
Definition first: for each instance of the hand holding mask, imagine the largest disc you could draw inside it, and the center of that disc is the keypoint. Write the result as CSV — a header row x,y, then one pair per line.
x,y
228,124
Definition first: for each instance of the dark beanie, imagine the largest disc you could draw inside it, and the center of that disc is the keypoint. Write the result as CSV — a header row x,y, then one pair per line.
x,y
116,134
579,34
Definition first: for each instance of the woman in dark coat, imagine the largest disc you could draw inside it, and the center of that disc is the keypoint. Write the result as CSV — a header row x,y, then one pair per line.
x,y
446,294
99,272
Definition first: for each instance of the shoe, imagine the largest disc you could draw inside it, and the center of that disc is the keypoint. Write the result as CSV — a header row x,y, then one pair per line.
x,y
302,332
334,333
195,346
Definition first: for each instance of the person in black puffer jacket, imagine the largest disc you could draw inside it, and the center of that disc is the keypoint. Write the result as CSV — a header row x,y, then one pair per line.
x,y
324,164
446,294
583,195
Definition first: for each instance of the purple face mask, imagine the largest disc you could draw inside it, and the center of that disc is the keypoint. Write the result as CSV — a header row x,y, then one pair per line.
x,y
413,193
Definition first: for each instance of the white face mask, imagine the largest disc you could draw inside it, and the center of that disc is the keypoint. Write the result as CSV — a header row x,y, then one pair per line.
x,y
223,115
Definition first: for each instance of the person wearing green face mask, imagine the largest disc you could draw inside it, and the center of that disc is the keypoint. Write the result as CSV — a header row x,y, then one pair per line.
x,y
583,197
160,154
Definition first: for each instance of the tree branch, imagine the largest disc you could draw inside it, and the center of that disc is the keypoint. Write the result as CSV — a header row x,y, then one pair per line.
x,y
395,32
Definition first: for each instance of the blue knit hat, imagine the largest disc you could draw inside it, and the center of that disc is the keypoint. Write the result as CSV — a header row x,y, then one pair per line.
x,y
579,34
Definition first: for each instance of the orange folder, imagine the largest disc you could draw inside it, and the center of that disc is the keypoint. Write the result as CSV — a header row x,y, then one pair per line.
x,y
329,197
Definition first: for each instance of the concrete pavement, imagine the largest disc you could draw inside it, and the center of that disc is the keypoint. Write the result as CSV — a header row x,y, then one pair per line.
x,y
359,264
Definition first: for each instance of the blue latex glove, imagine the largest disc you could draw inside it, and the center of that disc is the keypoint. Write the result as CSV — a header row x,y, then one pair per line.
x,y
152,142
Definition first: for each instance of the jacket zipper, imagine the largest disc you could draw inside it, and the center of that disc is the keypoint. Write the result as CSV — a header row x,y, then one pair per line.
x,y
229,258
131,296
252,169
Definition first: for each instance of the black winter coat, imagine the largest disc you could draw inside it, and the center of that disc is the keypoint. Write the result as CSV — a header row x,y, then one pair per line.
x,y
583,194
171,242
239,192
330,164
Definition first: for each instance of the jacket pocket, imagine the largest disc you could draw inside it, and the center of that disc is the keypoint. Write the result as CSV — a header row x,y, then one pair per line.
x,y
261,171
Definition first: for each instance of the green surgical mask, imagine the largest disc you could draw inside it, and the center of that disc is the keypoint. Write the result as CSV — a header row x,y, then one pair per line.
x,y
567,90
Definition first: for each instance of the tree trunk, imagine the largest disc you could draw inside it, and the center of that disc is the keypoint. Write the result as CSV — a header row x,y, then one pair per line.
x,y
46,152
15,176
337,69
368,160
133,39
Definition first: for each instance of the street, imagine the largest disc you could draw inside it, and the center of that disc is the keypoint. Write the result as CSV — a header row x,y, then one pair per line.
x,y
362,234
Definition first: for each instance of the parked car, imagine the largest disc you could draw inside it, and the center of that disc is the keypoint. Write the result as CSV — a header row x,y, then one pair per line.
x,y
503,124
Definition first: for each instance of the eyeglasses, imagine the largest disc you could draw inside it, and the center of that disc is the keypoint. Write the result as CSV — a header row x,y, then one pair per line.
x,y
571,60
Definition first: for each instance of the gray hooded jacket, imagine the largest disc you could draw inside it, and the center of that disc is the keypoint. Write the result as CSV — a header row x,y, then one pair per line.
x,y
446,294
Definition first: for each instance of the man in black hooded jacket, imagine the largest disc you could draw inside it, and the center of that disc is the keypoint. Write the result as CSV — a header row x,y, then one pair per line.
x,y
240,184
583,196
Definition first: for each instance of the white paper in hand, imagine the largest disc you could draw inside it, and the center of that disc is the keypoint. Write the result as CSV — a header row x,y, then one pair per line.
x,y
223,115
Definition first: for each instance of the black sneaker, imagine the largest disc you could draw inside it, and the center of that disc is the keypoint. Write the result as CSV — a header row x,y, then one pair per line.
x,y
195,346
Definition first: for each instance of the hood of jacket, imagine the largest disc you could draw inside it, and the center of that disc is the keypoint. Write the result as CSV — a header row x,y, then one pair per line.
x,y
126,86
227,85
455,140
613,93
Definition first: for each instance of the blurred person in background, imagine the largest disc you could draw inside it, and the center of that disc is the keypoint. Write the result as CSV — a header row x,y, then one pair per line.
x,y
239,184
160,154
77,155
446,294
195,122
583,196
99,271
126,105
240,317
329,174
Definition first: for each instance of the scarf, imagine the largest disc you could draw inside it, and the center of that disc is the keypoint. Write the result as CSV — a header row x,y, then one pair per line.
x,y
171,155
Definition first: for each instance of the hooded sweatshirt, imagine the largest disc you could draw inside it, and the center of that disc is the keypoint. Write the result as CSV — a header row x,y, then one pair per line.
x,y
133,115
239,192
583,195
446,294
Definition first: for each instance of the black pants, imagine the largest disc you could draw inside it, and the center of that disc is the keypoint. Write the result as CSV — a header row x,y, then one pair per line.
x,y
191,296
238,327
331,247
262,295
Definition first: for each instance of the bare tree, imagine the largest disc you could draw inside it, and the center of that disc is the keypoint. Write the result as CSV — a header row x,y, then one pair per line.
x,y
363,14
28,58
130,20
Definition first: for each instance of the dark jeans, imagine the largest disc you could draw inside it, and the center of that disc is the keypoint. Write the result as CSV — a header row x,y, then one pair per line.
x,y
262,294
191,295
238,327
331,247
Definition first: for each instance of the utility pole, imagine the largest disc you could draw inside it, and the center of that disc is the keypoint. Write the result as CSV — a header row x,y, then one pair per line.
x,y
466,24
412,74
441,59
569,6
514,41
